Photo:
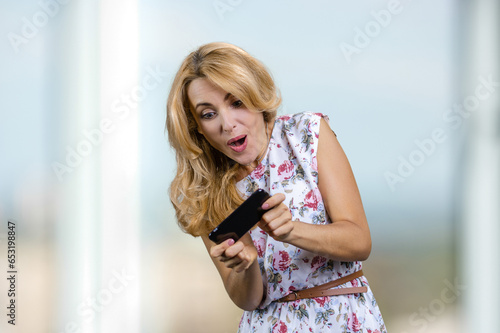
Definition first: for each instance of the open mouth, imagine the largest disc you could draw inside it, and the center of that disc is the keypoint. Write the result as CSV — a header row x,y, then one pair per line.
x,y
238,141
238,144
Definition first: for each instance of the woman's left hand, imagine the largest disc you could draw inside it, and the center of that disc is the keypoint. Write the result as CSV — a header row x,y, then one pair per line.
x,y
277,221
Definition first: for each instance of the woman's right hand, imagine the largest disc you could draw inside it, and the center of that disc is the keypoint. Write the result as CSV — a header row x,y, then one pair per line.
x,y
240,272
238,256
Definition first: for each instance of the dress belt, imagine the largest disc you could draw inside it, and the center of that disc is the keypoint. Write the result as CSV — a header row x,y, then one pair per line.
x,y
325,289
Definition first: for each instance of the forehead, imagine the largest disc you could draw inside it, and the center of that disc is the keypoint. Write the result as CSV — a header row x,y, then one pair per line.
x,y
203,90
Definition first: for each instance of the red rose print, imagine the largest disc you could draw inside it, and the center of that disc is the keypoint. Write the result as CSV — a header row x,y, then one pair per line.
x,y
258,171
285,170
314,164
317,262
312,199
355,325
322,300
282,261
280,328
260,245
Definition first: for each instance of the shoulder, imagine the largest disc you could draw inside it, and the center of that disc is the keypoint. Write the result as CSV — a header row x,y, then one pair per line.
x,y
301,117
298,133
308,121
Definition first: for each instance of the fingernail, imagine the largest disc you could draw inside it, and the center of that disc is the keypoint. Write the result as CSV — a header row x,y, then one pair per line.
x,y
230,242
265,206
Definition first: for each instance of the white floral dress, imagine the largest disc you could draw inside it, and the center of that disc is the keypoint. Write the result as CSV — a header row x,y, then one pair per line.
x,y
290,167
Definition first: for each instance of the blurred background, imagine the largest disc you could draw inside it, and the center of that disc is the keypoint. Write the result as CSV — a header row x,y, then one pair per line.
x,y
411,89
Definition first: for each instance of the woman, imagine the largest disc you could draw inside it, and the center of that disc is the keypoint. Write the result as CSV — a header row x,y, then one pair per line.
x,y
222,123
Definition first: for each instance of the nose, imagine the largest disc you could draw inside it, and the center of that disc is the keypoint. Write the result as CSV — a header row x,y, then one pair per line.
x,y
227,121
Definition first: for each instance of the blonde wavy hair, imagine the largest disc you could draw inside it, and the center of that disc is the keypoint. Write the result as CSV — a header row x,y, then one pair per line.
x,y
204,191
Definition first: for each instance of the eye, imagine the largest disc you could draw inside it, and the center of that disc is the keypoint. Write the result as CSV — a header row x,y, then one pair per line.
x,y
237,104
208,114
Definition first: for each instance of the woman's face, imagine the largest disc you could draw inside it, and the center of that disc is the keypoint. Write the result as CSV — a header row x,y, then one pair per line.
x,y
226,123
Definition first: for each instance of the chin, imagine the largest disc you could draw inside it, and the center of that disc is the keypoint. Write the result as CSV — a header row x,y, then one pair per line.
x,y
244,162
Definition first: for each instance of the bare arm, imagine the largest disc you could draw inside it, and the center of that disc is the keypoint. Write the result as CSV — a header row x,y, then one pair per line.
x,y
347,238
238,267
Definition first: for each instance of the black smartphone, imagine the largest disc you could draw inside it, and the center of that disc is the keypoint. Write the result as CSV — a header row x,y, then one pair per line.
x,y
242,219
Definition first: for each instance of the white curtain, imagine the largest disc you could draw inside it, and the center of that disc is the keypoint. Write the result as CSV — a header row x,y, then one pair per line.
x,y
98,232
480,232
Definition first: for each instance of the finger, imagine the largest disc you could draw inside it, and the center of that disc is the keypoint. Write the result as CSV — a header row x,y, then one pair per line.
x,y
244,265
273,201
241,260
276,224
234,250
232,262
220,249
245,262
282,231
278,212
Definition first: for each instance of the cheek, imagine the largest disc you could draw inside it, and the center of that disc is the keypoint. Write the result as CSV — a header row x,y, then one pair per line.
x,y
258,125
252,120
210,135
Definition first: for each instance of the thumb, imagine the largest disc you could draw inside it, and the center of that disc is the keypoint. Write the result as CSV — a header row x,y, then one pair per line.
x,y
218,250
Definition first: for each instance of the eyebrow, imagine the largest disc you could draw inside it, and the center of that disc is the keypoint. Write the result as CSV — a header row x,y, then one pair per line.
x,y
202,104
228,95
